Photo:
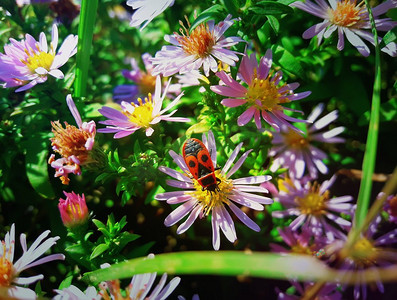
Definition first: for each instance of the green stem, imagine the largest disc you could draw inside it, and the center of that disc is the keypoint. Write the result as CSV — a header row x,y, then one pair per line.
x,y
86,31
372,138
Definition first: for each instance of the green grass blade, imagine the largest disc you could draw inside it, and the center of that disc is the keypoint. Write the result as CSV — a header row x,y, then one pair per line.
x,y
372,138
86,31
233,263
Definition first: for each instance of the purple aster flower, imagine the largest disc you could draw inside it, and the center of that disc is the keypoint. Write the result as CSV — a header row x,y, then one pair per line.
x,y
349,18
262,93
144,81
200,203
74,293
296,152
368,252
299,243
147,10
145,114
9,275
201,47
391,207
74,144
313,206
29,62
328,292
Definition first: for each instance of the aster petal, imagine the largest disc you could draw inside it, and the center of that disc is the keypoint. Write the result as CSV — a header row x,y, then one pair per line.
x,y
73,110
226,223
238,164
243,217
233,102
169,288
216,241
231,159
28,280
315,29
175,174
179,161
357,42
190,220
180,212
254,197
229,81
179,184
252,179
246,202
246,116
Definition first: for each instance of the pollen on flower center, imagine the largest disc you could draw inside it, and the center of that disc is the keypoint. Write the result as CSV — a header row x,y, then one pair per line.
x,y
41,59
364,253
264,94
142,114
208,200
313,203
199,42
295,140
6,268
347,13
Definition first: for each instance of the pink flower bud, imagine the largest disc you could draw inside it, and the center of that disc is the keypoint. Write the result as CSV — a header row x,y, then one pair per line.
x,y
73,210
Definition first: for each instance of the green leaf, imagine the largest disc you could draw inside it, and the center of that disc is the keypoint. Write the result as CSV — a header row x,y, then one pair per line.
x,y
98,250
37,165
75,249
270,8
390,36
215,12
66,282
288,61
274,23
157,190
232,6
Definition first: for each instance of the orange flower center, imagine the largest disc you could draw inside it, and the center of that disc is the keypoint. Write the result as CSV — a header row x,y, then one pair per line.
x,y
295,140
6,268
70,141
264,94
313,203
199,42
347,13
147,83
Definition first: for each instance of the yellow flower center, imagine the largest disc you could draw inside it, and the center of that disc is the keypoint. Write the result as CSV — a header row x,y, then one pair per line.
x,y
295,140
347,13
147,83
364,253
6,268
313,203
298,248
199,42
40,59
264,94
208,200
142,114
70,141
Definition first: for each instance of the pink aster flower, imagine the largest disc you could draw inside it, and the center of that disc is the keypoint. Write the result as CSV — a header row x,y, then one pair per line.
x,y
371,250
9,270
349,18
74,144
296,152
201,47
314,208
144,115
147,10
29,62
200,203
261,93
144,82
73,209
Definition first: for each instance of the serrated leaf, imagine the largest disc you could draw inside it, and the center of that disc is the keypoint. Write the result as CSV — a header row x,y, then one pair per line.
x,y
98,250
215,12
37,166
270,8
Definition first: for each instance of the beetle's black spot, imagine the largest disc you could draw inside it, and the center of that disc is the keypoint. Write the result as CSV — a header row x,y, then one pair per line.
x,y
192,164
204,158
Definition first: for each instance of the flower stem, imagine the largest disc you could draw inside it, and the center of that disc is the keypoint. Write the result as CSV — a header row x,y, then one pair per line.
x,y
85,34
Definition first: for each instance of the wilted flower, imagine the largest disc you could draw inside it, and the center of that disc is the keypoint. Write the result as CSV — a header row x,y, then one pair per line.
x,y
328,292
29,62
296,152
367,252
10,282
74,144
313,206
147,10
73,209
144,115
200,47
144,82
200,203
350,18
262,95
